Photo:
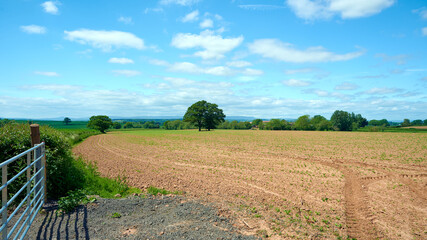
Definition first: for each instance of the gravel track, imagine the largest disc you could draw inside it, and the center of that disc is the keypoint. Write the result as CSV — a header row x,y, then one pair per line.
x,y
164,217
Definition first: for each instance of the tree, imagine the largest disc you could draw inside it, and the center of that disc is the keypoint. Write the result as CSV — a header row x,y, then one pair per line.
x,y
256,122
204,114
128,125
100,123
341,120
117,125
303,123
67,120
417,122
406,123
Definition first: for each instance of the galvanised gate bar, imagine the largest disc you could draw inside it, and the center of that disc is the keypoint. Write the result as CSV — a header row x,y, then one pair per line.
x,y
17,224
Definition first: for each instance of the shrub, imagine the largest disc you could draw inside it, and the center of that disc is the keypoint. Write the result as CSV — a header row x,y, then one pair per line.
x,y
62,175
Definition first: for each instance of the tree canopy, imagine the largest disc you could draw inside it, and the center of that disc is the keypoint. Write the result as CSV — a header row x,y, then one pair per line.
x,y
204,115
100,123
344,121
67,120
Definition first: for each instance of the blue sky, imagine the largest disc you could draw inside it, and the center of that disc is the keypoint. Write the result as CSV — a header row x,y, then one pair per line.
x,y
253,58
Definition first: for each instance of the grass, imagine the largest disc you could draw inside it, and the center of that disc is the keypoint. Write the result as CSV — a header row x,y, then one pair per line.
x,y
104,187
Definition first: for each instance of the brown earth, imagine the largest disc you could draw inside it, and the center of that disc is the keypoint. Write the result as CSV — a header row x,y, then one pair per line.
x,y
284,184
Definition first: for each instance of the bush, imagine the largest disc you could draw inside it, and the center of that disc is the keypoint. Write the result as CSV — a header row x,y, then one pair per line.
x,y
62,175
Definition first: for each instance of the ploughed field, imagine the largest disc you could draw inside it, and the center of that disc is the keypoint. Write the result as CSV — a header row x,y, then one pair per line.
x,y
283,183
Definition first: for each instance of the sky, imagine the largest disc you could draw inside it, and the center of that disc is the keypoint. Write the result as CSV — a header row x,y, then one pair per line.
x,y
263,59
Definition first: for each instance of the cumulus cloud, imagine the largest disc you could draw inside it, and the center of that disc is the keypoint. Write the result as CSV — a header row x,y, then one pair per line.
x,y
125,20
346,86
323,9
179,2
48,74
286,52
50,7
207,23
105,40
127,73
120,60
296,83
191,17
33,29
424,31
215,46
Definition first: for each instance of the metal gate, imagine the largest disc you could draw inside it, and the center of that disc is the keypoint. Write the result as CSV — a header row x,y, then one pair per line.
x,y
34,189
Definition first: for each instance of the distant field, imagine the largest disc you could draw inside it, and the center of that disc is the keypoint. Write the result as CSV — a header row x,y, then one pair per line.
x,y
416,127
59,124
288,183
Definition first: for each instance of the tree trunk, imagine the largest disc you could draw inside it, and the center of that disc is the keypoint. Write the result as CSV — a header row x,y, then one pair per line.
x,y
200,128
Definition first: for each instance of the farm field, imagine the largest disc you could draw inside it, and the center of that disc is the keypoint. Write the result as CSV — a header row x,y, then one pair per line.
x,y
287,184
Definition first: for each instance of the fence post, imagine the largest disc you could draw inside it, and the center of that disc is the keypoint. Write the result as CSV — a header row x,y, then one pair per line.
x,y
35,139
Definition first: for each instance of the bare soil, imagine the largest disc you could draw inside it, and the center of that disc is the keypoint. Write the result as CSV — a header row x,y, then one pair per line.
x,y
284,184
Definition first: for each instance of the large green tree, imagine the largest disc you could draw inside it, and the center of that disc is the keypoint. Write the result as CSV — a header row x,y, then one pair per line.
x,y
303,123
204,115
341,120
100,123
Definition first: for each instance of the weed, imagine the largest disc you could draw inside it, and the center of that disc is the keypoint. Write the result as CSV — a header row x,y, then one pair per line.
x,y
70,202
116,215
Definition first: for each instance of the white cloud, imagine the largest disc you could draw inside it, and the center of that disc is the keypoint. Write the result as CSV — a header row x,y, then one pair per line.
x,y
296,83
191,17
323,9
120,60
186,67
105,40
50,7
252,72
219,71
158,62
239,64
346,86
127,73
125,20
192,68
33,29
179,2
424,31
48,74
215,46
155,10
382,91
207,23
275,49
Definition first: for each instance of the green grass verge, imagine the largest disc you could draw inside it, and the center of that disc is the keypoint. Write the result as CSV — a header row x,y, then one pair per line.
x,y
94,184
